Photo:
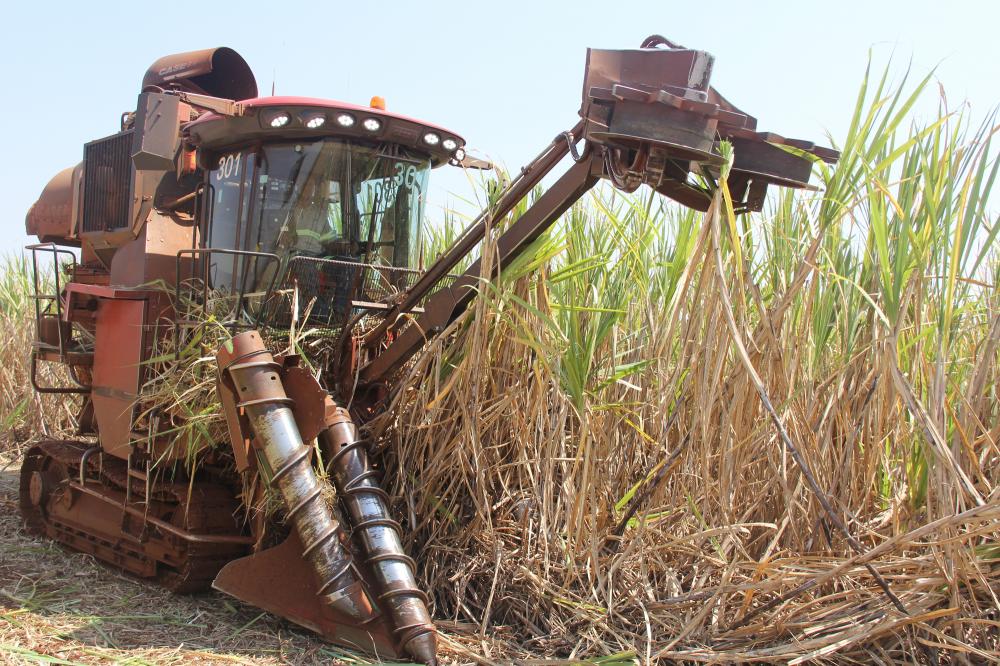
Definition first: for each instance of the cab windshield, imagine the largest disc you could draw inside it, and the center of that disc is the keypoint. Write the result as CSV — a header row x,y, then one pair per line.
x,y
328,200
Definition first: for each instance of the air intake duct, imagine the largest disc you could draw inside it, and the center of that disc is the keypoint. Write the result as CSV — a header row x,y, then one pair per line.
x,y
219,72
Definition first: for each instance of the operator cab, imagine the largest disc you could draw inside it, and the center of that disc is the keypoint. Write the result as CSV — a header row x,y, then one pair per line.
x,y
320,196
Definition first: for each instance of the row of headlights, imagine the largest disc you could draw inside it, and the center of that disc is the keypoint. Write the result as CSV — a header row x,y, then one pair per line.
x,y
347,120
317,120
449,144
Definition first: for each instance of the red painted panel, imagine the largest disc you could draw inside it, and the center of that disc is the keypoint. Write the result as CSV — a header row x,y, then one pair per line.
x,y
117,370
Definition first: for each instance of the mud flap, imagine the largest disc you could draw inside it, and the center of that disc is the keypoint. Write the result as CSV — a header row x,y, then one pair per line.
x,y
280,581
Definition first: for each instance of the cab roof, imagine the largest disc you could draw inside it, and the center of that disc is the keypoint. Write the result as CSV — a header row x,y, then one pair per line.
x,y
291,118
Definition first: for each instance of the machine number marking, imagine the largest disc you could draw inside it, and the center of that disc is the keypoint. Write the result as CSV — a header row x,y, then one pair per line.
x,y
229,167
404,176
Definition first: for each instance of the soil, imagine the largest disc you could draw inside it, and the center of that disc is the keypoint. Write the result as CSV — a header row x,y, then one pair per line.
x,y
61,607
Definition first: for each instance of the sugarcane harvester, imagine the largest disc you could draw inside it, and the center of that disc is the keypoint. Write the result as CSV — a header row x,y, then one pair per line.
x,y
209,193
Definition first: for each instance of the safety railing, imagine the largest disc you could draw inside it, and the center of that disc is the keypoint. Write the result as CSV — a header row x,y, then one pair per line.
x,y
53,332
239,315
331,291
341,289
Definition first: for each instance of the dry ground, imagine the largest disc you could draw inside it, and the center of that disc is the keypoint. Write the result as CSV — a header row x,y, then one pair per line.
x,y
58,607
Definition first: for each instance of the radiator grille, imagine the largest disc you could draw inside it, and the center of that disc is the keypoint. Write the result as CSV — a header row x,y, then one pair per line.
x,y
107,182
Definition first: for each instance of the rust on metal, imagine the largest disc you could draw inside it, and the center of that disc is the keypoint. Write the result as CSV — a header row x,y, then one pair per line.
x,y
378,536
186,536
286,463
308,397
53,218
275,580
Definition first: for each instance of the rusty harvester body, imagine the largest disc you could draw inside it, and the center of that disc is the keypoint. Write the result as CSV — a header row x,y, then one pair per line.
x,y
209,193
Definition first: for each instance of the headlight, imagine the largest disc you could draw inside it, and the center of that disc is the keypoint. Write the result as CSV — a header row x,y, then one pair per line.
x,y
460,154
345,120
315,122
432,139
372,124
449,144
280,120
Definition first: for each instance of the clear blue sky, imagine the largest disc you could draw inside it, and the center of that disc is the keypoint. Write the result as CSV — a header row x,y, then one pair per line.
x,y
506,75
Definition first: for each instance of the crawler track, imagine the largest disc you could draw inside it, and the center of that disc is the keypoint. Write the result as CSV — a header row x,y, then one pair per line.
x,y
177,534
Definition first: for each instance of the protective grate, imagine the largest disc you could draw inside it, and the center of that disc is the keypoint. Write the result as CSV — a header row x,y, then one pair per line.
x,y
107,182
336,288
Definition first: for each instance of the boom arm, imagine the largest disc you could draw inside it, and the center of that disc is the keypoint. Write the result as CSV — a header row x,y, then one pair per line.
x,y
448,303
648,116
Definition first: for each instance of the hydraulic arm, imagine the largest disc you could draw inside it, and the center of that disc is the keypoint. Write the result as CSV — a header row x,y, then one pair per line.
x,y
648,116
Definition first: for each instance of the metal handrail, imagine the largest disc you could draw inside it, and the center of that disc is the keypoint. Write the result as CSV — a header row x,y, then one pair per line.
x,y
386,303
33,374
55,251
261,317
205,253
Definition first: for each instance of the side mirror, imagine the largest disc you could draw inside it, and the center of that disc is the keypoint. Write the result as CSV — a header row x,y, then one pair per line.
x,y
469,162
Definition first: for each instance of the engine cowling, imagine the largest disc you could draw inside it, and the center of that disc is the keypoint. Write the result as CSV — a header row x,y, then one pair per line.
x,y
53,218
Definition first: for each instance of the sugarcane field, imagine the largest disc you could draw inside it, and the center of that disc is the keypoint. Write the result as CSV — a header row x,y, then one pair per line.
x,y
683,346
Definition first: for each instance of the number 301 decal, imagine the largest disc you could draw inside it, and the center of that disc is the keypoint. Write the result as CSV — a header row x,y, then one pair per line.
x,y
229,167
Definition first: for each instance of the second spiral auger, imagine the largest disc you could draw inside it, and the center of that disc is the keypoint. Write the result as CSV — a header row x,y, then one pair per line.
x,y
378,534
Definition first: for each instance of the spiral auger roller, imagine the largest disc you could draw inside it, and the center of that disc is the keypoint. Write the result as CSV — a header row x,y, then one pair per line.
x,y
285,460
379,535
